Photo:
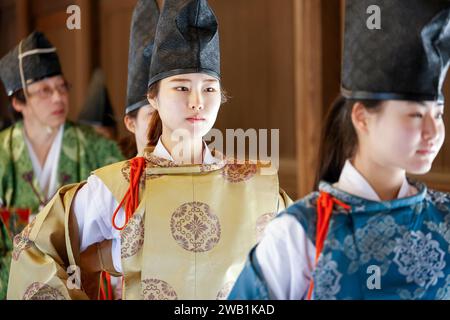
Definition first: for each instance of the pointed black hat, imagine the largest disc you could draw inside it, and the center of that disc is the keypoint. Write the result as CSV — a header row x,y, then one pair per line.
x,y
35,56
97,109
143,29
406,59
187,41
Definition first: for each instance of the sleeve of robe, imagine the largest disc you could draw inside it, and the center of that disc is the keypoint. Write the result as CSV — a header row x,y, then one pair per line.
x,y
280,266
45,260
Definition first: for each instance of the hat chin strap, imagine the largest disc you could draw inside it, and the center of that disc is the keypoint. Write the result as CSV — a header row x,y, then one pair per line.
x,y
26,54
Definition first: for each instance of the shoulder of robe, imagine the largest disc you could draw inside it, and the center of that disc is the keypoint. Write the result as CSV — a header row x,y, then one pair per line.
x,y
85,129
254,167
118,172
116,177
305,212
5,132
104,150
440,200
86,133
54,214
4,140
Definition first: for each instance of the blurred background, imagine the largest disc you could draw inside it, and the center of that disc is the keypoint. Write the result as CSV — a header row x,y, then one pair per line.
x,y
280,65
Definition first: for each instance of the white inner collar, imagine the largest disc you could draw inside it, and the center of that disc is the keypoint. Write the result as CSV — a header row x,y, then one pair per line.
x,y
47,175
351,181
160,151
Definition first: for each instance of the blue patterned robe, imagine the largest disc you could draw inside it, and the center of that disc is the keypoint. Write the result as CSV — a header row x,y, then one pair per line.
x,y
404,242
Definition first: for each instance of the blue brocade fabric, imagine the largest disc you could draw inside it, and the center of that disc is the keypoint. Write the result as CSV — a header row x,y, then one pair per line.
x,y
396,249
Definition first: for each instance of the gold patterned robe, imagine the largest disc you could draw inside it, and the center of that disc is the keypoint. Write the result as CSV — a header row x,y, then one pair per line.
x,y
188,238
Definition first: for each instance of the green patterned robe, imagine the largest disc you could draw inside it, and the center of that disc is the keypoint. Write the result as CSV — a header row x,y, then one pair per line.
x,y
82,151
5,259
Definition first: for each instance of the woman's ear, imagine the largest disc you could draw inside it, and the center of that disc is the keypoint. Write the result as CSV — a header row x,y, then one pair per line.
x,y
360,117
130,124
17,105
153,103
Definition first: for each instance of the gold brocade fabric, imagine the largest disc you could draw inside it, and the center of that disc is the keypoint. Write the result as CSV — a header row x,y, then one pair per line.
x,y
188,239
44,252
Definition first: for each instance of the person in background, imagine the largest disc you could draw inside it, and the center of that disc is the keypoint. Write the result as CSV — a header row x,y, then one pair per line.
x,y
43,150
138,111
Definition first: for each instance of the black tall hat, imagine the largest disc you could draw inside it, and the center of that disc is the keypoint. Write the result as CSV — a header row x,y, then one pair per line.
x,y
407,59
187,41
97,109
33,59
143,29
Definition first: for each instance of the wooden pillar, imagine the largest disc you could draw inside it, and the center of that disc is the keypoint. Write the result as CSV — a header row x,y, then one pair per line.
x,y
83,48
308,85
160,4
317,38
23,18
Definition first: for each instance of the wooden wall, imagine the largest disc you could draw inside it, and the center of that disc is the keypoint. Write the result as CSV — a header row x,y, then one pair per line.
x,y
280,65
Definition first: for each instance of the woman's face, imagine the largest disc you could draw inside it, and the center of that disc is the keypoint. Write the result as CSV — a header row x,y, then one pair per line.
x,y
188,103
48,102
139,126
406,135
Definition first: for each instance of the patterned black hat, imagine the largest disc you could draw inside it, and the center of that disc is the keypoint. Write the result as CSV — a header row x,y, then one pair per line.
x,y
32,60
407,58
143,29
187,41
97,109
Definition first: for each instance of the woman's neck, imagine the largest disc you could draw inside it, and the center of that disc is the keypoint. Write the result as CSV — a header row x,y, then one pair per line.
x,y
188,151
385,181
41,139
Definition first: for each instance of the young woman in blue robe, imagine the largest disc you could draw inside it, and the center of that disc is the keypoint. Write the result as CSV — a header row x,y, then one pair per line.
x,y
369,232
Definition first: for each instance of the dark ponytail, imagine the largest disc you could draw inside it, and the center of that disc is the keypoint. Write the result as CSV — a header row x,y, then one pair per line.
x,y
155,125
338,141
155,129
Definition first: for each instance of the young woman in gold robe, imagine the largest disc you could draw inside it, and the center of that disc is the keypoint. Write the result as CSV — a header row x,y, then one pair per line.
x,y
176,225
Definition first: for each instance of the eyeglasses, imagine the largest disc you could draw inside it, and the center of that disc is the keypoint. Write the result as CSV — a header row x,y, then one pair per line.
x,y
47,92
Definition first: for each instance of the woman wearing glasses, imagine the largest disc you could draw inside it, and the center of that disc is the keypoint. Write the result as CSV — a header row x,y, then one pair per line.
x,y
42,151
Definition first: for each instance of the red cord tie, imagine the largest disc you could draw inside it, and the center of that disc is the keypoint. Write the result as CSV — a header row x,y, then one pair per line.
x,y
105,280
131,198
325,205
131,201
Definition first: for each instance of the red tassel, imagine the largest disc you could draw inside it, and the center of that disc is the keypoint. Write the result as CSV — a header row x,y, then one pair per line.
x,y
105,278
131,198
325,204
